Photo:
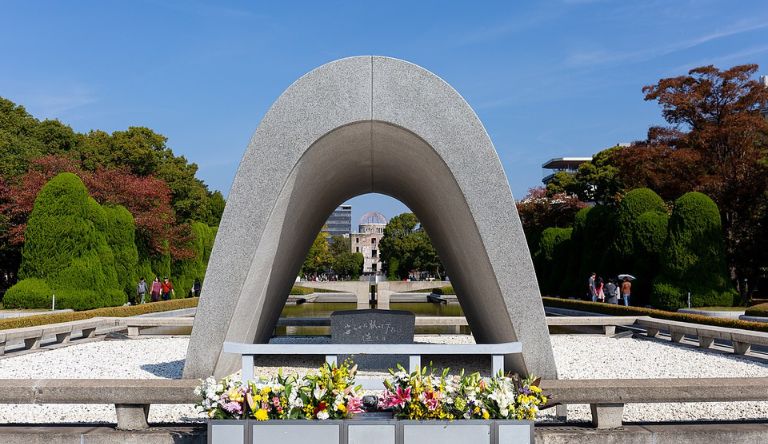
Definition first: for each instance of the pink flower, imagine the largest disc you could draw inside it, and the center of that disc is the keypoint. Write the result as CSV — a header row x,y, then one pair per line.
x,y
233,407
397,399
431,400
354,405
276,401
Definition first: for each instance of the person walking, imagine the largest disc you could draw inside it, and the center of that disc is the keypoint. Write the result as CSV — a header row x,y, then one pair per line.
x,y
196,288
626,290
591,284
156,289
599,290
141,290
611,292
167,289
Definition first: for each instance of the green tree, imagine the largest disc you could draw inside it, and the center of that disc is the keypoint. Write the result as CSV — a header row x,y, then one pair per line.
x,y
17,139
598,180
318,258
718,115
406,246
66,246
344,262
695,257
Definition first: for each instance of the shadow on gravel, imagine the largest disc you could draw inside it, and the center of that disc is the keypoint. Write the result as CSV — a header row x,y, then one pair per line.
x,y
170,370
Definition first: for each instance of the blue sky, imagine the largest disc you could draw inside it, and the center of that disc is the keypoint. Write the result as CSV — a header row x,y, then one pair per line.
x,y
548,78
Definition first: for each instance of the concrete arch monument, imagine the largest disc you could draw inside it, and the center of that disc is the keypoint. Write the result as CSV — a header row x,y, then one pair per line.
x,y
369,125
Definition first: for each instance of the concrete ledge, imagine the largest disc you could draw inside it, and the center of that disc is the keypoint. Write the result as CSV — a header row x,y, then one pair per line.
x,y
100,434
627,391
670,433
713,314
98,391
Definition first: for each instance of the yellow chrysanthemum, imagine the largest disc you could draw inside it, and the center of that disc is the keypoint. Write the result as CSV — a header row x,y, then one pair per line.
x,y
342,408
235,395
261,415
486,415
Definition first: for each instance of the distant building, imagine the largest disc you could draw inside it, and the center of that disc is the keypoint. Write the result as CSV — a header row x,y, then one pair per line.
x,y
558,164
340,222
366,241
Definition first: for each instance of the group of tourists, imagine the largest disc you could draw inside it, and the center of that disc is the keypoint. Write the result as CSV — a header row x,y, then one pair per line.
x,y
156,290
612,292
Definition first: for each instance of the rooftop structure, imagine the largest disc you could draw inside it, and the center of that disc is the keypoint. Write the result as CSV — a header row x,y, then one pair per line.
x,y
567,164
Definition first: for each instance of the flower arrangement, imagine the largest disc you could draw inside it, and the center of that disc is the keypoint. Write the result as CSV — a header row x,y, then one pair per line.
x,y
425,394
328,394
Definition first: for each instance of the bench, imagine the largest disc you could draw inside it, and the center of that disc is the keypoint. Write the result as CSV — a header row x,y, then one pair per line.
x,y
607,397
62,332
132,397
742,340
609,323
135,325
332,351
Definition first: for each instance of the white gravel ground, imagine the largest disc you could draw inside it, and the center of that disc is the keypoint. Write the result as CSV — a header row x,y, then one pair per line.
x,y
577,356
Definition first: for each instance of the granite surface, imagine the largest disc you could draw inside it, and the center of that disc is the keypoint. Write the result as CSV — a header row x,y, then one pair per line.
x,y
355,126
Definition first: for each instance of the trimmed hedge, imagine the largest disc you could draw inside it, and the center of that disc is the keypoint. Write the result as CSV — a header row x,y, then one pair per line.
x,y
28,293
620,310
300,291
551,257
119,312
694,259
185,272
121,237
757,310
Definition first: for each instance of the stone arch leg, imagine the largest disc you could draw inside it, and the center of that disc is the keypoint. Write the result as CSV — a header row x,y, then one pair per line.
x,y
355,126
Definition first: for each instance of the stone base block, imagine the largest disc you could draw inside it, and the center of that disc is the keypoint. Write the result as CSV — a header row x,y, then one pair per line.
x,y
62,338
705,342
607,416
132,416
741,348
32,343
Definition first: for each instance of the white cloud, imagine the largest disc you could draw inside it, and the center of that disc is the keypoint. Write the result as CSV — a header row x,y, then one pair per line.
x,y
601,56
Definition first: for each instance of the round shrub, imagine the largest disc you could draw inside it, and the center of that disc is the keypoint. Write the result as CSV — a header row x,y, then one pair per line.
x,y
58,229
651,234
89,299
667,296
631,207
551,258
28,293
66,244
121,237
694,259
184,272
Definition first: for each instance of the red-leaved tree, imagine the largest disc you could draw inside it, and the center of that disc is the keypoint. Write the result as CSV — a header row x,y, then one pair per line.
x,y
147,198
